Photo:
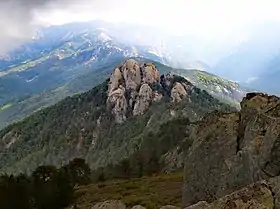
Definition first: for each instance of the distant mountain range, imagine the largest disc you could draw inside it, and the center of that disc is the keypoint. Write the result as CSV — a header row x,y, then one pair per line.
x,y
64,60
241,59
254,62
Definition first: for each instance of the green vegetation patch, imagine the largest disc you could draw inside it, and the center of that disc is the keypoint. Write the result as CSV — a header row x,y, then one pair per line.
x,y
150,192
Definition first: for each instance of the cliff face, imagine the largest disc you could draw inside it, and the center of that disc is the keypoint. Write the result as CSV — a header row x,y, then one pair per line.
x,y
233,150
134,87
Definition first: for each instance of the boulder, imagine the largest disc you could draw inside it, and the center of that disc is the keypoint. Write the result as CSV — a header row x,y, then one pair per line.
x,y
138,207
200,205
254,196
110,204
231,150
169,207
257,196
274,185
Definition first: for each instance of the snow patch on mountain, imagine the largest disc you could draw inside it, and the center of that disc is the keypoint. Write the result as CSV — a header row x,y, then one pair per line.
x,y
104,37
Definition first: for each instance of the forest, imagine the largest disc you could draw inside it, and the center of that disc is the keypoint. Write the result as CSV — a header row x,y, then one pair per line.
x,y
51,187
47,187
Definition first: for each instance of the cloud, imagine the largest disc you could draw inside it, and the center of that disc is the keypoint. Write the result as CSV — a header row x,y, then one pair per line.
x,y
251,79
213,19
210,19
17,20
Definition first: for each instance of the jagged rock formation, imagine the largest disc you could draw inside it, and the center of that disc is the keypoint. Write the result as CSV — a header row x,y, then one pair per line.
x,y
144,99
233,150
131,74
173,159
255,196
134,87
150,73
119,104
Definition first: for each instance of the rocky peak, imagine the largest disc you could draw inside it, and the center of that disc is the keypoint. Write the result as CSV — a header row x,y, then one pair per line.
x,y
133,87
131,74
127,75
232,150
258,101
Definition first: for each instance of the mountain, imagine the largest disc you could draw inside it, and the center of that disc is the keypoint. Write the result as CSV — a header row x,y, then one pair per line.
x,y
108,123
61,61
58,54
17,109
268,80
58,62
55,63
231,158
254,61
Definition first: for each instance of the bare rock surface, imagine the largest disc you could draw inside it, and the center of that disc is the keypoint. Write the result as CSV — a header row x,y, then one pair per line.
x,y
232,150
110,204
133,88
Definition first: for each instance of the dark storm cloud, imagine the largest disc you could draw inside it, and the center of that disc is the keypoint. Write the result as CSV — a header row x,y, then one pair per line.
x,y
16,20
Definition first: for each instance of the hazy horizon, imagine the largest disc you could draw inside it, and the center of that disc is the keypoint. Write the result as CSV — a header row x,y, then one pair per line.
x,y
210,20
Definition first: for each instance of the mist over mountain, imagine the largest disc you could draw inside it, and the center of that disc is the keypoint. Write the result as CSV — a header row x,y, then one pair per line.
x,y
245,57
253,57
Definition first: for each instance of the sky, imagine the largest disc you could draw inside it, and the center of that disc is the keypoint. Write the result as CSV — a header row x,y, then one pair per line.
x,y
19,19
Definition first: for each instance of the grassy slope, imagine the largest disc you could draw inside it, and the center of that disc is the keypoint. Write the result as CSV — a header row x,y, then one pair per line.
x,y
150,192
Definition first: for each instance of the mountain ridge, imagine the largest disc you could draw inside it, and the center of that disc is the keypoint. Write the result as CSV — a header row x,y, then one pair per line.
x,y
85,122
16,110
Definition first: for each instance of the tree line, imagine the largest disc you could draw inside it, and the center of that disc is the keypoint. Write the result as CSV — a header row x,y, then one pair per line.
x,y
47,187
50,187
